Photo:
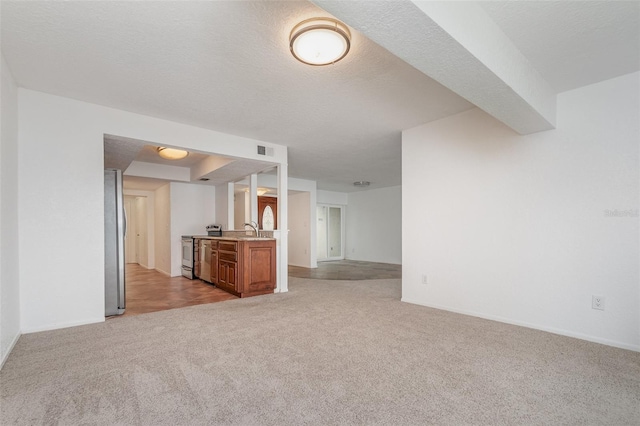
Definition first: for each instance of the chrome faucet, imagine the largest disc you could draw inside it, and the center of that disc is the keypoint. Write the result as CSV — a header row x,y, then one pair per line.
x,y
253,226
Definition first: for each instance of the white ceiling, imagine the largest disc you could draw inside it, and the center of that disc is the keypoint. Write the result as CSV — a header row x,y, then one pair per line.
x,y
149,154
145,170
573,43
143,183
225,65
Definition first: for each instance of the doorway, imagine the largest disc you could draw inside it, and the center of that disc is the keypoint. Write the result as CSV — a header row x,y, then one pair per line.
x,y
136,240
330,232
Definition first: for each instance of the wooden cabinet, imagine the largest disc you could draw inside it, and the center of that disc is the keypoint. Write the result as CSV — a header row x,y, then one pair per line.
x,y
241,267
263,202
246,268
228,276
228,266
258,274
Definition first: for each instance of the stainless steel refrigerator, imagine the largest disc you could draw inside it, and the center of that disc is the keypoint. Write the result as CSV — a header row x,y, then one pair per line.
x,y
115,228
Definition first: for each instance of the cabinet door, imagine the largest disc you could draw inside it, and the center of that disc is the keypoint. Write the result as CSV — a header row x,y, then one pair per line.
x,y
232,276
214,266
227,274
259,267
222,273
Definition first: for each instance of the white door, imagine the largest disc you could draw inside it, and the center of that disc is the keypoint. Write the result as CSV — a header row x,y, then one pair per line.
x,y
142,256
130,244
330,232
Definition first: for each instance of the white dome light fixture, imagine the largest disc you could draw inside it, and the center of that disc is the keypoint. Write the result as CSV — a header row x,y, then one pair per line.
x,y
172,153
320,41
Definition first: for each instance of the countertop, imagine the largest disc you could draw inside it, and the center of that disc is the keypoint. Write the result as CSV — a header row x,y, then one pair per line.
x,y
247,238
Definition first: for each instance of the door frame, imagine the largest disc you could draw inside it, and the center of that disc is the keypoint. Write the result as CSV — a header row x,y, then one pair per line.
x,y
342,232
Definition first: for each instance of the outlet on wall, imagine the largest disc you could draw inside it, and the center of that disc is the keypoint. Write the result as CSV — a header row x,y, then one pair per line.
x,y
424,279
597,302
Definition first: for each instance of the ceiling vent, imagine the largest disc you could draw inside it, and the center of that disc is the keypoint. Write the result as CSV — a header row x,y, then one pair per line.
x,y
204,179
263,150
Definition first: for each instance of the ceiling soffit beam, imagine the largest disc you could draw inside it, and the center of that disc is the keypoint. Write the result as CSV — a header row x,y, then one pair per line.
x,y
120,152
459,46
158,171
208,166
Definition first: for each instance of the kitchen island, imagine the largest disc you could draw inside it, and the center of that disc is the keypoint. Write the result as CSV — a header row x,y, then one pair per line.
x,y
241,265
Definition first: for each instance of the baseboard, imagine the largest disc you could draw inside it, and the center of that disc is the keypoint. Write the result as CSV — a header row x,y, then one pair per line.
x,y
5,356
302,266
561,332
163,272
385,261
62,325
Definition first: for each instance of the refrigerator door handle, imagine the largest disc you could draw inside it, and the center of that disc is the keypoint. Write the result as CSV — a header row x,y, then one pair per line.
x,y
125,221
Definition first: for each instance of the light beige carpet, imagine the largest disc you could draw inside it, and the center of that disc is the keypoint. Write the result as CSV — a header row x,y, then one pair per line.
x,y
327,352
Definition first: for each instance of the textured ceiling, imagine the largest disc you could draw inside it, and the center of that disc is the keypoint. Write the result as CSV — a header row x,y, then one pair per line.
x,y
149,154
573,43
457,44
143,183
225,65
120,152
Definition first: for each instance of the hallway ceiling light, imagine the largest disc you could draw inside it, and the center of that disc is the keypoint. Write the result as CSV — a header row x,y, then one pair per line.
x,y
361,183
320,41
260,191
172,153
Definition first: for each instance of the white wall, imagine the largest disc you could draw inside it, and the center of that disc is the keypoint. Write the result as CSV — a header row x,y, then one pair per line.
x,y
162,229
374,225
332,197
60,186
221,205
296,186
192,209
515,228
242,209
9,241
373,229
299,229
182,209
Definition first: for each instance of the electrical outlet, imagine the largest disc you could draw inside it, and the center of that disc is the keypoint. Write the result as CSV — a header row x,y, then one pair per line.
x,y
597,302
424,279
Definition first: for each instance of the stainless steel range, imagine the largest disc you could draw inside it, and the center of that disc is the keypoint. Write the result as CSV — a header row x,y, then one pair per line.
x,y
187,256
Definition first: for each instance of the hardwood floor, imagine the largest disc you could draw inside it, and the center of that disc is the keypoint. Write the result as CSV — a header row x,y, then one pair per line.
x,y
348,270
150,291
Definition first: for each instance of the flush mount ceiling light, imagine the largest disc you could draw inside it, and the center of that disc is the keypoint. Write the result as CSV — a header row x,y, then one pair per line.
x,y
260,191
361,183
171,153
320,41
